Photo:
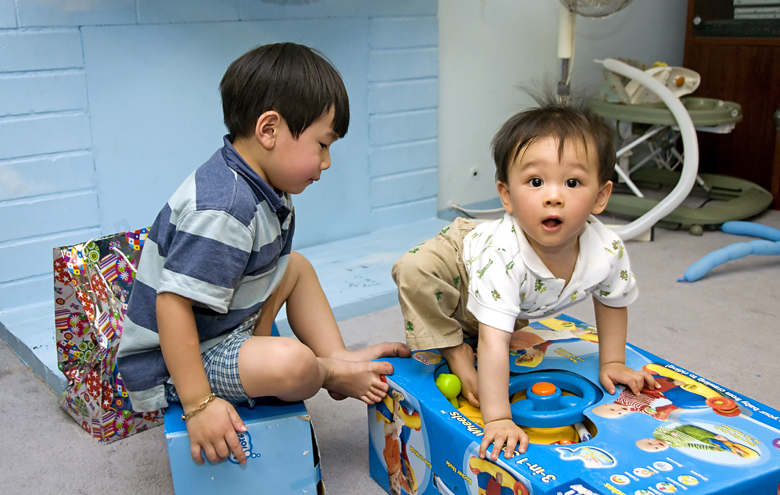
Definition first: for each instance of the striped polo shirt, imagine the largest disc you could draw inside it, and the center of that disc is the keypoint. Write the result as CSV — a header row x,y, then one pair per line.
x,y
223,240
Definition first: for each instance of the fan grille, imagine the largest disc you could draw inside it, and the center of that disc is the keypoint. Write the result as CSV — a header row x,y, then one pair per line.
x,y
594,8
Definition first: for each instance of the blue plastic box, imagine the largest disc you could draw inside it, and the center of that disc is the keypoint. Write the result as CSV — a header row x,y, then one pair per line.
x,y
692,436
281,450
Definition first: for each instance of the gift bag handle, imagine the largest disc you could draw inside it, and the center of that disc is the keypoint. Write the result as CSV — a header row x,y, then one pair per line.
x,y
120,254
127,260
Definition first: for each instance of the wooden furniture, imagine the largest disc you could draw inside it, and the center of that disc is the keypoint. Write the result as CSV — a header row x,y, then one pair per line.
x,y
775,190
738,60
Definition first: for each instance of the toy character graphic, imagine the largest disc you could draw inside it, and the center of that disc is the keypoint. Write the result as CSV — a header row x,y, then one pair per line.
x,y
688,480
494,486
665,403
687,436
398,425
531,345
392,451
581,490
650,402
682,395
530,348
494,480
522,339
591,457
392,455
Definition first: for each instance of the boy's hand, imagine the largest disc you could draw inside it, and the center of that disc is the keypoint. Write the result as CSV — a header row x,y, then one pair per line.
x,y
614,373
213,430
499,432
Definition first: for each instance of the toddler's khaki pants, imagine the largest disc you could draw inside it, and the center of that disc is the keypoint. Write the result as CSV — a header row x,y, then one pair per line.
x,y
433,290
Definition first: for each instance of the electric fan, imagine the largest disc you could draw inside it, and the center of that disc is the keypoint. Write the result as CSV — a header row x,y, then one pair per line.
x,y
566,20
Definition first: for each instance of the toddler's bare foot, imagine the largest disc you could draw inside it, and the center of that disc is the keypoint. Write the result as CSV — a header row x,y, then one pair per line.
x,y
460,359
359,379
377,351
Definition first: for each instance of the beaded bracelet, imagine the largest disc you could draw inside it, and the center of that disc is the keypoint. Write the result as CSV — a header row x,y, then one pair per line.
x,y
202,406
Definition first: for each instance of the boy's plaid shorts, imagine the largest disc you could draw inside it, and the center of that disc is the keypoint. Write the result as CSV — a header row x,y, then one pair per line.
x,y
221,365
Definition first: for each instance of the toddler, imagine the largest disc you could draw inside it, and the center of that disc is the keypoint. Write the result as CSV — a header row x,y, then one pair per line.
x,y
548,251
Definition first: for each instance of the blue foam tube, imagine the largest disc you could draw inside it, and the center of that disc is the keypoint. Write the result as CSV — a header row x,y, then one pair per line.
x,y
729,253
770,247
751,229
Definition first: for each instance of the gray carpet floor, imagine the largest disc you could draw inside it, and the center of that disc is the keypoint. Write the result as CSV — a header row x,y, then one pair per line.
x,y
722,327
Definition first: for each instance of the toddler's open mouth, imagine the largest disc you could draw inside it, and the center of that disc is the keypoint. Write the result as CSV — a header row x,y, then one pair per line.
x,y
551,222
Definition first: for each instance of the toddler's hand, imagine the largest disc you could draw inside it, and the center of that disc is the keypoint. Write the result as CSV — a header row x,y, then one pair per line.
x,y
499,432
614,373
213,430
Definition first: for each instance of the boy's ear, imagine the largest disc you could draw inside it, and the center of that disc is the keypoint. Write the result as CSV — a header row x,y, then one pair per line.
x,y
267,128
506,200
603,198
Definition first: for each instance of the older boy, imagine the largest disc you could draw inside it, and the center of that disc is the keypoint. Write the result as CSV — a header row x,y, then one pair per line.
x,y
218,264
548,251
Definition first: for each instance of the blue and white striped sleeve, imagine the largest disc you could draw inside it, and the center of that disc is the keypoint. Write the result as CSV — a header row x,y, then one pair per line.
x,y
206,258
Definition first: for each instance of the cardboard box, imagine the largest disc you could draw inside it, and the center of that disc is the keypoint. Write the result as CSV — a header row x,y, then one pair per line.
x,y
692,436
281,450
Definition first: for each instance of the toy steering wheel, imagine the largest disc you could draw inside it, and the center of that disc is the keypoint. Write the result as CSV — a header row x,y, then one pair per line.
x,y
545,406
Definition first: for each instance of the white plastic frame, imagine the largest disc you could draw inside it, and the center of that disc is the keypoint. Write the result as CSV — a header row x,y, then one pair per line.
x,y
690,145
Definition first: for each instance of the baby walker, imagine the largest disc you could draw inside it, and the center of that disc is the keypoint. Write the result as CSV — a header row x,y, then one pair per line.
x,y
640,98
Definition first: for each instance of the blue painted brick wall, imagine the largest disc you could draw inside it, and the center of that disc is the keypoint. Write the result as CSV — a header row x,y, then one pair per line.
x,y
404,32
391,128
406,63
375,8
403,188
179,11
7,14
51,214
46,164
44,134
40,50
48,92
403,157
398,96
54,174
53,182
403,122
34,13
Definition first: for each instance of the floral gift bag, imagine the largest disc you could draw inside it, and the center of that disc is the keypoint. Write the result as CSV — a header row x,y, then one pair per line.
x,y
92,283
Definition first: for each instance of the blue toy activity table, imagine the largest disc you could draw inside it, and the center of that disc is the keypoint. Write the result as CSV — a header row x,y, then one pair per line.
x,y
690,436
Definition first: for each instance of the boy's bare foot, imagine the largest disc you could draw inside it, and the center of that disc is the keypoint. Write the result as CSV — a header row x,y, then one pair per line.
x,y
359,379
377,351
460,359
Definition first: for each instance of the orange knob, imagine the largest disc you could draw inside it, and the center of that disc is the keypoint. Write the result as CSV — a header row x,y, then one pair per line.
x,y
543,388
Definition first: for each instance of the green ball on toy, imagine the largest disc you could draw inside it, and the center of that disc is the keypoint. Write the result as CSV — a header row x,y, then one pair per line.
x,y
450,387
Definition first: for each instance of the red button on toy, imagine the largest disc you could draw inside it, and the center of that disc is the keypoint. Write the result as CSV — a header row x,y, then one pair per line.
x,y
723,406
543,388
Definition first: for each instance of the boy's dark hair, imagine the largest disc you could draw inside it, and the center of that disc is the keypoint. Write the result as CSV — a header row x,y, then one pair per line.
x,y
561,120
294,80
